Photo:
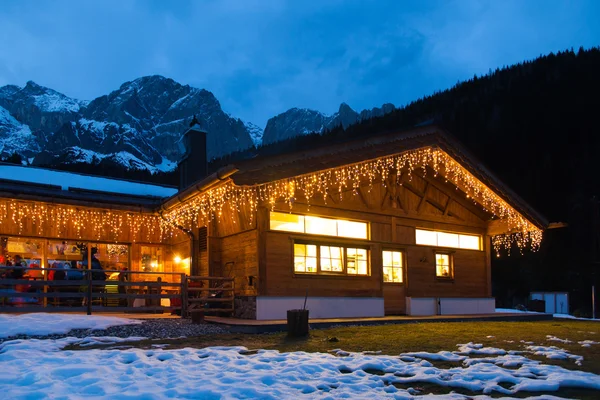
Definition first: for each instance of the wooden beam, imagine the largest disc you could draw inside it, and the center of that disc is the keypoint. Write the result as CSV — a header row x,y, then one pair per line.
x,y
447,208
450,190
362,197
424,198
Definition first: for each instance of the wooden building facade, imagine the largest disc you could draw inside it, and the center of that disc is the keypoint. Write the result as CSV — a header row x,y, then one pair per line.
x,y
397,224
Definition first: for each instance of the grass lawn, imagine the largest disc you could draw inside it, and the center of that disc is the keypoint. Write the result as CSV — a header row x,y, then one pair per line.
x,y
429,337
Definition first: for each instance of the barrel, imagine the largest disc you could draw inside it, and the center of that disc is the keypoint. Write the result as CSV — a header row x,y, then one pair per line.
x,y
297,323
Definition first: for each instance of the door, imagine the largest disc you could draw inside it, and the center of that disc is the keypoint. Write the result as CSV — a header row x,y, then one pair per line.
x,y
394,289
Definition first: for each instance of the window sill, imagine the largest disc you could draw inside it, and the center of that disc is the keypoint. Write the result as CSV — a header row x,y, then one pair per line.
x,y
444,279
336,276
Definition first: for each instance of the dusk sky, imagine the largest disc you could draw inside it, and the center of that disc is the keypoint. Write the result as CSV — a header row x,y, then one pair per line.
x,y
261,58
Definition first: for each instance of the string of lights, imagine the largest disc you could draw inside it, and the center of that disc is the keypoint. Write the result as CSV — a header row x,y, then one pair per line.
x,y
211,204
61,220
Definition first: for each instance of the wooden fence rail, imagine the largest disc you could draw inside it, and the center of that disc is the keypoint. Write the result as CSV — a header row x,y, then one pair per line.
x,y
190,295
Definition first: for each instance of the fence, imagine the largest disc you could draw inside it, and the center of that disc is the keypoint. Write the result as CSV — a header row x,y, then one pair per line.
x,y
82,291
213,295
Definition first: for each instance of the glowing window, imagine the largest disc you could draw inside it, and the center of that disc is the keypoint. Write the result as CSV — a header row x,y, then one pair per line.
x,y
446,239
318,225
443,266
356,261
392,266
426,237
287,222
305,258
331,259
469,242
352,229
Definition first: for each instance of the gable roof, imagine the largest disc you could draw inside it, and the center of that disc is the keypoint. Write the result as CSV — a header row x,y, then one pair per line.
x,y
261,170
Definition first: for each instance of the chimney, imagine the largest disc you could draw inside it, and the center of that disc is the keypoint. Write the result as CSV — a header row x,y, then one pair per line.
x,y
193,166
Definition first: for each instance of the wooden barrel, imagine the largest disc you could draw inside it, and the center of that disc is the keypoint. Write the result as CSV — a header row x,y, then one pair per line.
x,y
297,323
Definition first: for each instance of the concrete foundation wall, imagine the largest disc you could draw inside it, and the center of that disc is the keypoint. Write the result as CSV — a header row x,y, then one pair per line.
x,y
449,306
271,307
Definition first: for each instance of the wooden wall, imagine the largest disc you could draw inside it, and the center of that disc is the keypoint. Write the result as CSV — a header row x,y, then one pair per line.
x,y
236,256
393,213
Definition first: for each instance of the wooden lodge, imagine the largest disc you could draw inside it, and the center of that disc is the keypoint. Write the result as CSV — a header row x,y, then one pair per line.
x,y
403,223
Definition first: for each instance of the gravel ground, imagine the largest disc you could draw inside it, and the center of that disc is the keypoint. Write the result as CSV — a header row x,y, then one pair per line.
x,y
150,328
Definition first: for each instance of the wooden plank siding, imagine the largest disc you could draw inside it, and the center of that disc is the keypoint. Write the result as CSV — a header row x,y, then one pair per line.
x,y
392,214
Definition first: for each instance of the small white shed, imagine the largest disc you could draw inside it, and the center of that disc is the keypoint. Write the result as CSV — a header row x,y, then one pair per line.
x,y
556,302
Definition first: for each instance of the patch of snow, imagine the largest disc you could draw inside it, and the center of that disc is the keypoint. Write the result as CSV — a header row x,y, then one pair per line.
x,y
256,133
556,339
39,369
567,316
47,324
88,182
477,348
14,135
52,101
513,311
554,353
166,165
587,343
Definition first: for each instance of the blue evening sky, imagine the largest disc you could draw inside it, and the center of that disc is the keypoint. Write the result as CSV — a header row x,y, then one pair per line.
x,y
263,57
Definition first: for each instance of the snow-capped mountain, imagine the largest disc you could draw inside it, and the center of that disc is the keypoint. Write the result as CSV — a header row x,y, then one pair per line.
x,y
302,121
140,124
137,125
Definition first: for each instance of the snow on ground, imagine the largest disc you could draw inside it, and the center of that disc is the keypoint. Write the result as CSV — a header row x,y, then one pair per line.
x,y
38,368
34,368
48,324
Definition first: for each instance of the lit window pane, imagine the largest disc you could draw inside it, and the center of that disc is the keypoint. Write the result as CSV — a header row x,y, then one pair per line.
x,y
311,264
442,262
447,239
305,257
387,258
469,242
352,229
362,268
426,237
387,274
397,259
321,226
300,264
331,259
287,222
356,261
299,250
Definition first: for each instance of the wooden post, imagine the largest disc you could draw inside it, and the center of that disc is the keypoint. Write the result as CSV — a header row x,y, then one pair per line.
x,y
184,295
89,276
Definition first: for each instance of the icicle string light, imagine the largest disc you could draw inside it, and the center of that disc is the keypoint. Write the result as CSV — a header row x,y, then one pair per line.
x,y
97,224
211,204
63,221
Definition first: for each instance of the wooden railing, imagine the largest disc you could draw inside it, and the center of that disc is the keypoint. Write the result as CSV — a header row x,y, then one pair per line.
x,y
209,295
88,295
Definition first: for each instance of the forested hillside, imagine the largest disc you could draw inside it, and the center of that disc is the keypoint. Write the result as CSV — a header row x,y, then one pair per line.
x,y
535,125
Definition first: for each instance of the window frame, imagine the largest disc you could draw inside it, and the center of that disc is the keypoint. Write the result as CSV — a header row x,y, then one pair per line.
x,y
459,234
450,265
337,235
402,268
321,272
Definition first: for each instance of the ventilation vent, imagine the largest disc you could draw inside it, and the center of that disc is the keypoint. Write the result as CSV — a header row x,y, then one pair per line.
x,y
203,238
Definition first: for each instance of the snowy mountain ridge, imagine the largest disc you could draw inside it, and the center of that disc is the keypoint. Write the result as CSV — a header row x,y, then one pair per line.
x,y
139,125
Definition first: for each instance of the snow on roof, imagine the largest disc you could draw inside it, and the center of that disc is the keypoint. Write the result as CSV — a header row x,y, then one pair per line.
x,y
74,180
